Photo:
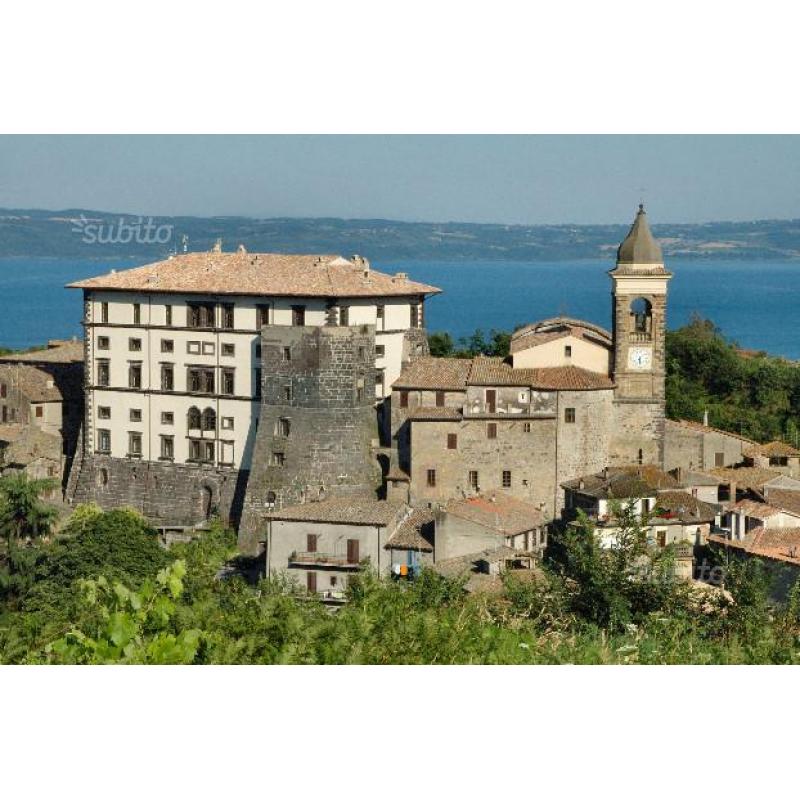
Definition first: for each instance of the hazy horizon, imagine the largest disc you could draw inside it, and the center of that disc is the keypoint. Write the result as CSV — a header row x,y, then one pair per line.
x,y
501,180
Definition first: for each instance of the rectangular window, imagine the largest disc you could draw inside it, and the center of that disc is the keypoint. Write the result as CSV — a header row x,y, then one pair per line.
x,y
403,399
39,411
344,316
352,551
103,441
380,314
200,315
226,452
491,401
416,315
208,451
167,345
719,459
228,381
3,390
311,542
257,382
282,427
135,375
103,312
167,377
287,394
506,478
208,348
262,316
135,345
201,380
298,315
168,316
491,430
228,349
134,444
103,343
193,348
431,477
473,479
168,447
137,314
311,582
380,350
287,353
567,351
452,441
569,415
526,427
135,415
227,316
104,412
227,423
278,460
103,371
194,450
167,418
440,399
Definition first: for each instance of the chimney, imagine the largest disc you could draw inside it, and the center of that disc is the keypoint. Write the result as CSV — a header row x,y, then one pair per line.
x,y
705,418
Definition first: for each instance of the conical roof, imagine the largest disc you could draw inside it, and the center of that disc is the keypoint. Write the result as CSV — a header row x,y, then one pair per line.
x,y
639,246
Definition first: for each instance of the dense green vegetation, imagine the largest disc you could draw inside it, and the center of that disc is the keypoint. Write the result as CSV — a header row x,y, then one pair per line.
x,y
753,394
103,591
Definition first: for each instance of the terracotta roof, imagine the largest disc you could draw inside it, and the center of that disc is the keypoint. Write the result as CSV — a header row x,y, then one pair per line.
x,y
780,544
752,478
428,372
785,499
414,533
422,413
698,426
490,371
550,329
56,352
621,483
683,507
687,477
352,510
772,449
499,512
42,385
272,274
752,508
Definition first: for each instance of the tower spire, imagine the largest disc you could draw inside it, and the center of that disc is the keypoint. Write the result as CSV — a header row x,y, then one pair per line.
x,y
639,246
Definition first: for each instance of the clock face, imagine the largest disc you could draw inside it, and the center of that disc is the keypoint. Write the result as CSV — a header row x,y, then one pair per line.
x,y
640,358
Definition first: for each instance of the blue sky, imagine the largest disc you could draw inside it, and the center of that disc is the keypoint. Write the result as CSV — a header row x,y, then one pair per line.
x,y
504,179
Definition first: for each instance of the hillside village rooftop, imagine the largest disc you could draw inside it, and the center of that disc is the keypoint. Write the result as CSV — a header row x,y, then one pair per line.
x,y
244,273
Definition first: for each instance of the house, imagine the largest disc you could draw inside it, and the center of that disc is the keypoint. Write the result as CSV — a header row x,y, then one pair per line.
x,y
777,456
411,546
681,517
473,524
701,485
33,451
320,545
748,515
483,571
697,446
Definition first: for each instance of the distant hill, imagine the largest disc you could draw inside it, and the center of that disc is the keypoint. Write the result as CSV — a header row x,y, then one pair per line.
x,y
77,233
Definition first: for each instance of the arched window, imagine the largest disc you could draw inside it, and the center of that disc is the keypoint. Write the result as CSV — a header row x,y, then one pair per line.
x,y
194,418
209,420
642,315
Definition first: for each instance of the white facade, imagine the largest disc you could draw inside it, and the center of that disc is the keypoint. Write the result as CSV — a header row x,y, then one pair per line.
x,y
136,339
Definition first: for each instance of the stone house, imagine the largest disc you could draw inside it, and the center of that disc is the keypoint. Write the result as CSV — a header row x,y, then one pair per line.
x,y
320,545
749,515
412,545
701,485
487,522
777,456
696,446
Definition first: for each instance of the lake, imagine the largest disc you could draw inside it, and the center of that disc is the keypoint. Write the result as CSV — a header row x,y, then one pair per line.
x,y
751,302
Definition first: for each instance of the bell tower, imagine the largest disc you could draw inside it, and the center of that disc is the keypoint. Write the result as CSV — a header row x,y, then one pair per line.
x,y
639,307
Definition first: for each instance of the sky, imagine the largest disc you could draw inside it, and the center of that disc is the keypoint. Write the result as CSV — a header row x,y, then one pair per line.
x,y
498,179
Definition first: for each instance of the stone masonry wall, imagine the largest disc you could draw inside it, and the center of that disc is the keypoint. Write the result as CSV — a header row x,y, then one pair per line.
x,y
317,424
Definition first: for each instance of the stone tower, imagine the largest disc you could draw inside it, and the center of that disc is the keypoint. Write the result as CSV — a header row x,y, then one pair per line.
x,y
317,422
639,303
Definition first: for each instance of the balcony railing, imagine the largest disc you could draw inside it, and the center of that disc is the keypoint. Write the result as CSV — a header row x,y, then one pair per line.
x,y
308,559
640,336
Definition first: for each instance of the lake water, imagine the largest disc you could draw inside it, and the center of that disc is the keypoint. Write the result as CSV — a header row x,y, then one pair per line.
x,y
754,303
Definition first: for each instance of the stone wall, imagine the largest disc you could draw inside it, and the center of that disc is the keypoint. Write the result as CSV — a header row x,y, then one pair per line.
x,y
317,424
637,426
696,448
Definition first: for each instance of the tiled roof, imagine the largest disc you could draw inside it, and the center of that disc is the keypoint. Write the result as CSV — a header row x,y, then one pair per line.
x,y
772,449
621,483
691,425
414,533
428,372
683,507
784,499
43,384
549,329
272,274
687,477
422,413
502,513
780,544
746,477
56,352
352,510
490,371
752,508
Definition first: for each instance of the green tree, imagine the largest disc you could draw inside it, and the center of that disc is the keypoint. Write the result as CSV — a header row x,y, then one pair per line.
x,y
22,512
440,344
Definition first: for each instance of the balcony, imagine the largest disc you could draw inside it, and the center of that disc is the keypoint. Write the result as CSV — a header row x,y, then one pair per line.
x,y
640,337
330,560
